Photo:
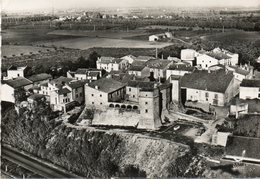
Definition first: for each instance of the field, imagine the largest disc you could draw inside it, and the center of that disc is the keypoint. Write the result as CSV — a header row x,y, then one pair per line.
x,y
15,50
235,36
88,42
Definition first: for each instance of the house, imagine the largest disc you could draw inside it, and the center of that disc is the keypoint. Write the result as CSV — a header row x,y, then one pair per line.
x,y
35,98
249,89
214,88
243,149
111,64
141,70
14,72
67,95
144,58
8,88
159,67
87,74
40,78
99,93
129,58
215,57
241,73
55,84
176,89
157,37
179,69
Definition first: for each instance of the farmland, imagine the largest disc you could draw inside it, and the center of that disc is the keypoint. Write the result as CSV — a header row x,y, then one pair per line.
x,y
88,42
15,50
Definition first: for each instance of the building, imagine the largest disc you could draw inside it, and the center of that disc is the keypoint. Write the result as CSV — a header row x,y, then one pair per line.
x,y
40,78
179,70
215,57
243,149
86,74
220,138
129,58
176,88
249,89
157,37
240,72
14,72
214,88
111,64
99,93
189,55
8,88
141,71
159,67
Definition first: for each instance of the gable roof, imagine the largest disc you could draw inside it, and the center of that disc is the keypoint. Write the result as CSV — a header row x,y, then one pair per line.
x,y
181,67
158,63
81,71
237,144
141,84
77,84
218,56
136,68
107,60
13,67
60,81
64,91
106,85
40,77
18,82
250,83
216,81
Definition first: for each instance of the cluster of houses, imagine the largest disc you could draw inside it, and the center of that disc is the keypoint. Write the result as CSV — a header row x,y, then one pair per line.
x,y
144,86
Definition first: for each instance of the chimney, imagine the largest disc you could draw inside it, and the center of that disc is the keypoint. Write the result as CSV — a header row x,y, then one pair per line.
x,y
209,70
96,87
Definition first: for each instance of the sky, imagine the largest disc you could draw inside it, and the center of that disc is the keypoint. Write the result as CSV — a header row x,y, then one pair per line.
x,y
24,5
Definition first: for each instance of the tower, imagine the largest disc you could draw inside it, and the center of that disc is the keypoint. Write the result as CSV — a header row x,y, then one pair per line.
x,y
149,103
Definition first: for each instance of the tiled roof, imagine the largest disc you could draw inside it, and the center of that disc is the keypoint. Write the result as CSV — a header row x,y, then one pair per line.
x,y
216,81
64,91
76,84
36,96
61,80
107,85
93,73
108,60
237,144
158,63
40,77
136,68
218,56
18,82
240,71
181,67
81,71
250,83
141,84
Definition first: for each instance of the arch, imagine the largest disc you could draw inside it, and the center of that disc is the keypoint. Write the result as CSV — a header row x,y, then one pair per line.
x,y
123,106
111,105
129,107
117,106
135,107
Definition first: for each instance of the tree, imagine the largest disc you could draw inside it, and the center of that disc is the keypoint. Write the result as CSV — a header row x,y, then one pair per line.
x,y
19,95
92,59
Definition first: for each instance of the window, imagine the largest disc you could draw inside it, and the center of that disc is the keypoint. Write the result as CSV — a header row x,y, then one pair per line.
x,y
92,102
49,88
100,103
133,96
146,102
92,94
80,94
206,66
18,74
206,94
258,95
129,89
100,95
76,89
65,95
216,96
77,95
146,111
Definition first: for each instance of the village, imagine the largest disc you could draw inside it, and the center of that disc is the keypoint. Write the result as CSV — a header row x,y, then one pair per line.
x,y
207,89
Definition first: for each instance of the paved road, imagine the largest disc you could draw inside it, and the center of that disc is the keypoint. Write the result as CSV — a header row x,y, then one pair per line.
x,y
34,165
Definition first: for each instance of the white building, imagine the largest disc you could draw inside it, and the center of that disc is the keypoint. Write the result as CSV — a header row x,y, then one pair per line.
x,y
111,64
14,72
8,88
208,88
220,138
129,58
157,37
179,70
159,67
189,55
249,89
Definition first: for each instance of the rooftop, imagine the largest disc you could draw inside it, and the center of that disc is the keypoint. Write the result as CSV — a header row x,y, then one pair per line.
x,y
218,56
13,67
36,96
144,58
18,82
61,81
250,83
77,84
237,144
181,67
141,84
158,63
240,71
108,60
107,85
203,80
136,68
63,91
40,77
